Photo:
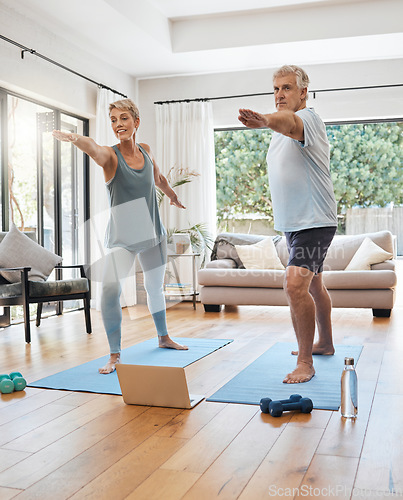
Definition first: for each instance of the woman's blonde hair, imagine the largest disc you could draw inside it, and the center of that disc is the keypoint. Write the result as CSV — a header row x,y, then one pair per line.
x,y
127,105
302,78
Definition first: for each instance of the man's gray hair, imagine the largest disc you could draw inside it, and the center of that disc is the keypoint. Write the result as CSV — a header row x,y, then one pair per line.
x,y
301,77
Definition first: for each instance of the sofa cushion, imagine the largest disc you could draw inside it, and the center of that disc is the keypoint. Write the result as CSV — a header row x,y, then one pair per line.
x,y
260,255
282,251
343,248
368,253
359,280
264,278
387,265
221,264
340,253
224,245
259,278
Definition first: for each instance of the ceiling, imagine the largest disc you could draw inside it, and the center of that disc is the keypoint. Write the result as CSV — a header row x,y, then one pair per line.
x,y
153,38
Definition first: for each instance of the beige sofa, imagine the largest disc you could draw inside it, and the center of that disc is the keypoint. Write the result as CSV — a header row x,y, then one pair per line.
x,y
224,281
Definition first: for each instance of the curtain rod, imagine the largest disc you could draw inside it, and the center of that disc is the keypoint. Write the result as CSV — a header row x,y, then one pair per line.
x,y
314,92
35,53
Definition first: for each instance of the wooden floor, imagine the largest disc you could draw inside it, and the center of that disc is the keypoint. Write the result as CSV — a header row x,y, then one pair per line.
x,y
57,444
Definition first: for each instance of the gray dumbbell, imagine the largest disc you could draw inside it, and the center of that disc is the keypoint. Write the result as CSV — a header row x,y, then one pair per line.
x,y
304,405
265,402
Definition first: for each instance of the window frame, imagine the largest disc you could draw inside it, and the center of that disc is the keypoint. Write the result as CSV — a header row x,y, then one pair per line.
x,y
327,123
4,191
4,93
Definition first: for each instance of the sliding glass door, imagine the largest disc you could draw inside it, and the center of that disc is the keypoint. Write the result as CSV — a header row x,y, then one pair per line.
x,y
47,181
72,201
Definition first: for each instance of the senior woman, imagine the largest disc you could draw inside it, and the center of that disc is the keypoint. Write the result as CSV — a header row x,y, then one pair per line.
x,y
134,228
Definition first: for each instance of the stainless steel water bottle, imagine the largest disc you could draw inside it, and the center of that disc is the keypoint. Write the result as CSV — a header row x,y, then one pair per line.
x,y
349,390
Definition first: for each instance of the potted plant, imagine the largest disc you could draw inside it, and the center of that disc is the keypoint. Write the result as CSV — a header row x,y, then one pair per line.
x,y
200,239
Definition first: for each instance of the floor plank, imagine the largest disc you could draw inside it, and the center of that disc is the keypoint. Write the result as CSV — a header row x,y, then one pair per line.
x,y
128,473
59,444
8,493
50,458
283,469
381,463
202,449
231,471
98,466
329,476
164,483
62,426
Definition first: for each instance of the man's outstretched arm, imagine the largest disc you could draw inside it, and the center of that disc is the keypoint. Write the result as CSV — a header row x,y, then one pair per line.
x,y
285,122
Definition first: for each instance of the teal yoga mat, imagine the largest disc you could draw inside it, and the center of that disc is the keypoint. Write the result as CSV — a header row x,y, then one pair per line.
x,y
85,377
264,378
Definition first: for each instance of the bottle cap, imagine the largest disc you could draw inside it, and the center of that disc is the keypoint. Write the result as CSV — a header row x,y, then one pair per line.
x,y
348,361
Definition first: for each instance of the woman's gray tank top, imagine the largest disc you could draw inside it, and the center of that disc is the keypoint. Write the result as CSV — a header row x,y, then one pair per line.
x,y
134,221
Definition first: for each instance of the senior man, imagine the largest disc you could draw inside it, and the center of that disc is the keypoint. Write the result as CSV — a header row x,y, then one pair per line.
x,y
304,209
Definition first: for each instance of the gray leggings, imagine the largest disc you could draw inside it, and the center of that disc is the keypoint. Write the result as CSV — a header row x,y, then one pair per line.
x,y
118,263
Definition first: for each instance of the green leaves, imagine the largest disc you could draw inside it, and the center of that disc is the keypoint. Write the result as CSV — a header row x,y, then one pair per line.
x,y
200,238
241,170
177,176
365,163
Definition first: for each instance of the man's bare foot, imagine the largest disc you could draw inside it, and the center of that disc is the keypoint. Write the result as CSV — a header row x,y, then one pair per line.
x,y
325,350
166,342
111,364
302,373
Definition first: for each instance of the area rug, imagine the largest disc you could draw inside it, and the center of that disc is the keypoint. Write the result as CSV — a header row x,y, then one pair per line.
x,y
85,377
264,378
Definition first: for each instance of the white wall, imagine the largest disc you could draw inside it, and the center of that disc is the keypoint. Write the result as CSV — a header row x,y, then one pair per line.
x,y
39,79
332,106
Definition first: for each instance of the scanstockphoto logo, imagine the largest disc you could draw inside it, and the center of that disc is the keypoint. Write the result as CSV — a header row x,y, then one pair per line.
x,y
342,491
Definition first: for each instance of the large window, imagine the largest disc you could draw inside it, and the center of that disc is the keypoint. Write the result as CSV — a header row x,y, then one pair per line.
x,y
366,169
241,173
44,182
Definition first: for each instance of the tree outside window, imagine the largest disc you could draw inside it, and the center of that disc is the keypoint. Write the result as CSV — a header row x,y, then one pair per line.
x,y
366,169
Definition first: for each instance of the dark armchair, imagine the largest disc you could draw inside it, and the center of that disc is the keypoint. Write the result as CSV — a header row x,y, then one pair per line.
x,y
21,290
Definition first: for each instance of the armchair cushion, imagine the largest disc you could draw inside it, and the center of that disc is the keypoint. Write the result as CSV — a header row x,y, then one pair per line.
x,y
17,250
46,289
10,290
58,287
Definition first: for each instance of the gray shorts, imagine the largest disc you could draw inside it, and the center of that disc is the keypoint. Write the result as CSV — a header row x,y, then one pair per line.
x,y
308,247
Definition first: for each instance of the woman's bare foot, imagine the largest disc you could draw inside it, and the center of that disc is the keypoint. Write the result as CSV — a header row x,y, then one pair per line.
x,y
325,350
111,364
166,342
302,373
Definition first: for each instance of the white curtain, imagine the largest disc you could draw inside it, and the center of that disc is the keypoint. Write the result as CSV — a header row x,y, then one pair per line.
x,y
99,201
185,139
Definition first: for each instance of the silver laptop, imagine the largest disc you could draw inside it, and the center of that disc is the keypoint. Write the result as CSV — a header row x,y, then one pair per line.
x,y
155,386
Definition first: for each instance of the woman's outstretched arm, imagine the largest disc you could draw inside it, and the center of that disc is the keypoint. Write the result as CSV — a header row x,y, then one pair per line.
x,y
104,156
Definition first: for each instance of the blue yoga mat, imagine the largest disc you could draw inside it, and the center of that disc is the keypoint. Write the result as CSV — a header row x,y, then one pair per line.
x,y
85,377
264,378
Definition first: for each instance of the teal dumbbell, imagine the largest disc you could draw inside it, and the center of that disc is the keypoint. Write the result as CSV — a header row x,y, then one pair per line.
x,y
6,384
18,380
